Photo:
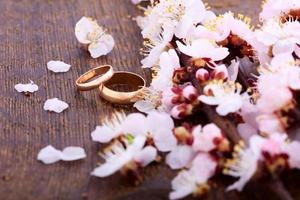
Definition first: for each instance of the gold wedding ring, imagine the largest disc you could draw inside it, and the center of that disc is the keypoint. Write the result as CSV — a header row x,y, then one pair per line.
x,y
134,81
105,72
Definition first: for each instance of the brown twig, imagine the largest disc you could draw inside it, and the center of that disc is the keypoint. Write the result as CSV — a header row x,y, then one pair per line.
x,y
278,188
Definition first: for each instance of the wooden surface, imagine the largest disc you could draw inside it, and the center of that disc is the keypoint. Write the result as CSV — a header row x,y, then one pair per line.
x,y
32,32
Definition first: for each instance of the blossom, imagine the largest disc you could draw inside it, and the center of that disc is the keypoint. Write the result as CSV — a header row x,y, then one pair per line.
x,y
88,32
225,25
227,97
119,155
207,138
244,165
179,16
55,105
189,181
157,126
58,66
49,154
203,48
276,9
282,39
29,87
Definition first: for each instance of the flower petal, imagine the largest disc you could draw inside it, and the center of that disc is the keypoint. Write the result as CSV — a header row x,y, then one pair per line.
x,y
102,46
83,28
180,157
103,134
49,155
30,87
73,153
58,66
144,106
146,156
55,105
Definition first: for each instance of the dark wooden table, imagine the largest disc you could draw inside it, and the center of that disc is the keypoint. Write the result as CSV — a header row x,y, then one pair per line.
x,y
33,32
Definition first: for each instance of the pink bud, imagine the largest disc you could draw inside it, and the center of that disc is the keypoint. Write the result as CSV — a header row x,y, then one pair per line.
x,y
181,111
190,93
220,72
202,75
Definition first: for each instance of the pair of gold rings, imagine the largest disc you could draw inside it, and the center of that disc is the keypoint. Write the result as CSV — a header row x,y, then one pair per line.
x,y
104,77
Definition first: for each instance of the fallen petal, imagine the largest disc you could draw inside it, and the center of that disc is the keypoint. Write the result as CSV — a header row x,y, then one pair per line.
x,y
49,155
58,66
55,105
29,87
73,153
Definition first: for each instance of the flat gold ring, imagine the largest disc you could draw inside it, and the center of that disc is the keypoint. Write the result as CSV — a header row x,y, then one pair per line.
x,y
105,72
135,81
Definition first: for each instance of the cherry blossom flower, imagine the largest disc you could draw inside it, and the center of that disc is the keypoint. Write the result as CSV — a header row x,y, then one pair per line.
x,y
244,165
55,105
29,87
189,181
179,16
157,126
58,66
88,32
277,9
118,155
227,97
281,39
202,48
225,25
49,154
207,138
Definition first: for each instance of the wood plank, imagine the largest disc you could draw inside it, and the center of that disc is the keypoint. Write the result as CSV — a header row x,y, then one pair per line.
x,y
32,32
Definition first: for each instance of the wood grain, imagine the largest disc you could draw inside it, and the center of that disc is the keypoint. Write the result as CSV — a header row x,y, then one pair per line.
x,y
32,32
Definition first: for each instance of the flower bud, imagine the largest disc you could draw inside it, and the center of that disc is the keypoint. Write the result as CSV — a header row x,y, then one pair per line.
x,y
202,75
190,93
220,73
181,111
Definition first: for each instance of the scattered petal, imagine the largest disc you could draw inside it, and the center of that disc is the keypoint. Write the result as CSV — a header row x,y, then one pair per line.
x,y
29,87
55,105
73,153
58,66
49,155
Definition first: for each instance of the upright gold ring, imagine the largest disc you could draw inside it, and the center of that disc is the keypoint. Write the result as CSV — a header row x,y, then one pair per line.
x,y
134,81
105,72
